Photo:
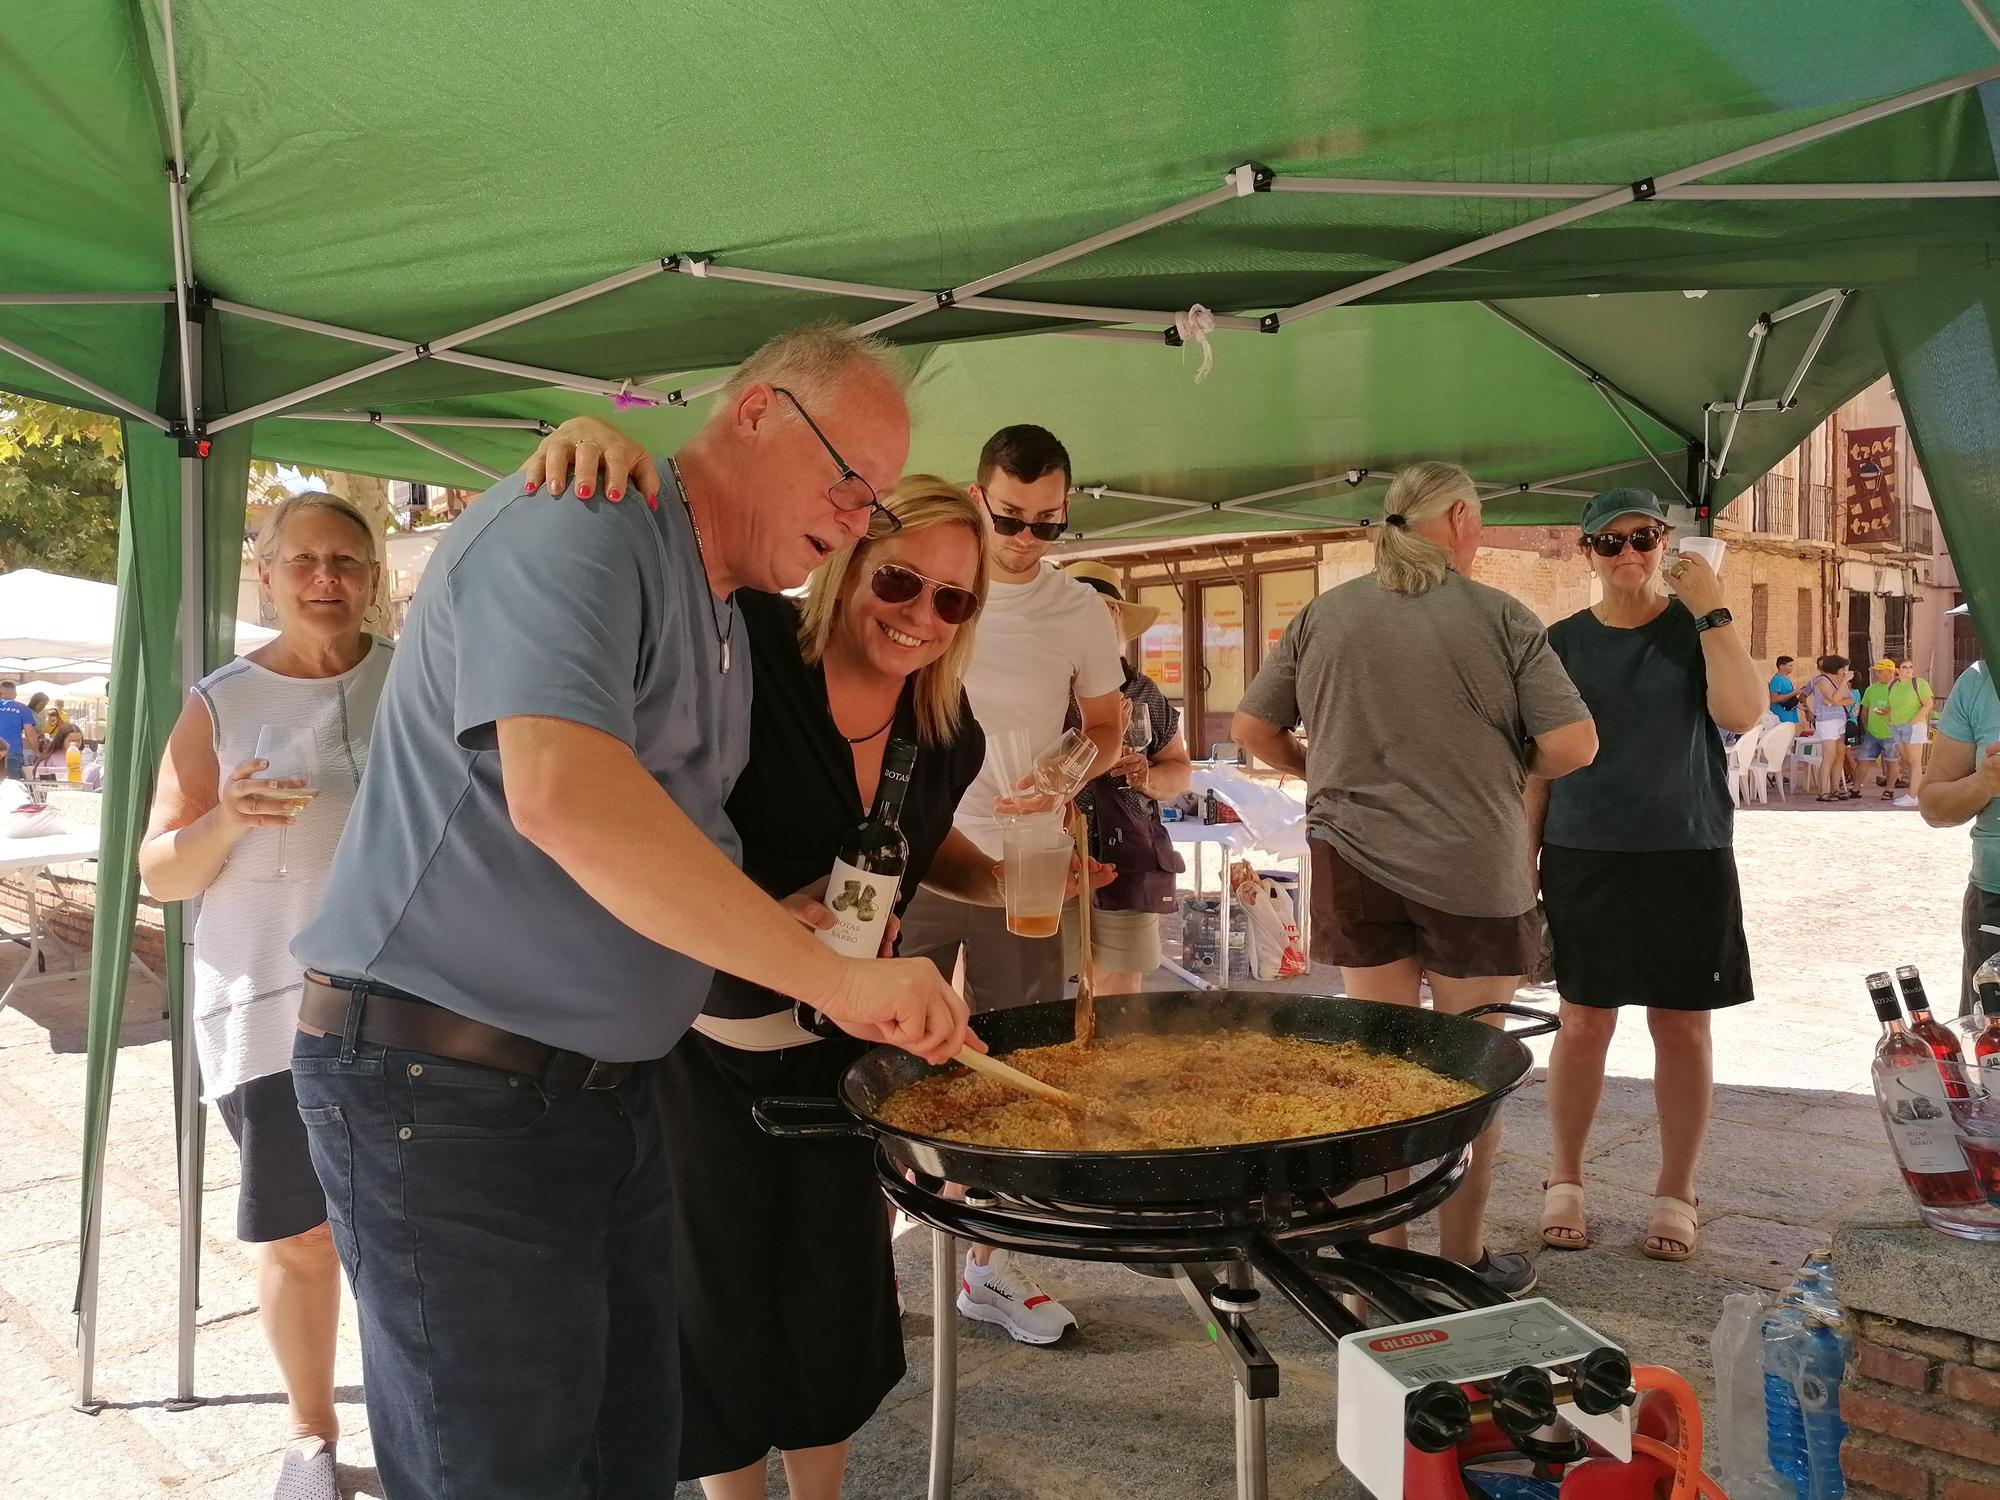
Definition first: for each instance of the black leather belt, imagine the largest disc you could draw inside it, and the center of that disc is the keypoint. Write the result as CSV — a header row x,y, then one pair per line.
x,y
391,1018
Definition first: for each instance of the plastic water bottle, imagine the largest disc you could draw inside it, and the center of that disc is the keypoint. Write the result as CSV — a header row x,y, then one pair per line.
x,y
1784,1425
1823,1361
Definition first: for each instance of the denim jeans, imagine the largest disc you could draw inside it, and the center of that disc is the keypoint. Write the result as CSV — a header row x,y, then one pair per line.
x,y
508,1243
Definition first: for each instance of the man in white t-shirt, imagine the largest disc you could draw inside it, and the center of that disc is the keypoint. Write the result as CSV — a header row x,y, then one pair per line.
x,y
1043,638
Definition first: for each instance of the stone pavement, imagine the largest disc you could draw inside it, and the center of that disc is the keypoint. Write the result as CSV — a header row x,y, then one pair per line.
x,y
1135,1407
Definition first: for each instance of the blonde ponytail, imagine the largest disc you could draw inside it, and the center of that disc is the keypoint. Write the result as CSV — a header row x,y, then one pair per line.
x,y
1406,563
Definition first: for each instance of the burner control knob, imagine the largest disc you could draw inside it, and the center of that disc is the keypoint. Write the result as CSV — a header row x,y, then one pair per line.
x,y
1524,1400
1234,1300
1602,1382
1437,1418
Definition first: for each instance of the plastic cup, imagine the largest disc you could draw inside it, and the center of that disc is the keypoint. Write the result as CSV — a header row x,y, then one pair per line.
x,y
1035,854
1708,548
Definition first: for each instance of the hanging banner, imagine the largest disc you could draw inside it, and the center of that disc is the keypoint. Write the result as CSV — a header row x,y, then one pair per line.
x,y
1872,511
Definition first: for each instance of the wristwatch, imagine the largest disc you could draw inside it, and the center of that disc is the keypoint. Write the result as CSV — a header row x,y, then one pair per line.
x,y
1712,619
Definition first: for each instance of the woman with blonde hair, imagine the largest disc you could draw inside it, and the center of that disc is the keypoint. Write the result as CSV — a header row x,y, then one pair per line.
x,y
217,831
1426,700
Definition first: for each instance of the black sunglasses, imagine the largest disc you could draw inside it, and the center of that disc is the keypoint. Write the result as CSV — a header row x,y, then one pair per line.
x,y
1045,531
850,492
1611,543
895,584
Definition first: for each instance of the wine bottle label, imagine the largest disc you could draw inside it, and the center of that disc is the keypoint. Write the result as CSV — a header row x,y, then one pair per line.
x,y
860,904
1918,1114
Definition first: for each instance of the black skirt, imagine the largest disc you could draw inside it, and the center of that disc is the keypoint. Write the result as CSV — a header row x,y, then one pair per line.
x,y
790,1336
1662,929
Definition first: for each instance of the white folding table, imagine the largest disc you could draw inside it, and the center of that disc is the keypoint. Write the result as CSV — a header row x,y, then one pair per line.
x,y
29,858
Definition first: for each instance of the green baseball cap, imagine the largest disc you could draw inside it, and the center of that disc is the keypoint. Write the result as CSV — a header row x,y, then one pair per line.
x,y
1605,508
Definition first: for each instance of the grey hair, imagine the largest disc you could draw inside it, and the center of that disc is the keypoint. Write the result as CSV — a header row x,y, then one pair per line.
x,y
291,505
811,363
1406,563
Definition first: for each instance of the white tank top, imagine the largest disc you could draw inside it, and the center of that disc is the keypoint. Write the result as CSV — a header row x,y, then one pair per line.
x,y
246,1000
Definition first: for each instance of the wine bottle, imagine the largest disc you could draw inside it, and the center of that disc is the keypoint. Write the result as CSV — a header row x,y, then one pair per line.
x,y
861,891
1940,1038
1916,1111
1986,1046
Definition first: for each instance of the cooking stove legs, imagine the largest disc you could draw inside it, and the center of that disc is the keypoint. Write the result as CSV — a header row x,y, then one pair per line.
x,y
944,1361
1223,1302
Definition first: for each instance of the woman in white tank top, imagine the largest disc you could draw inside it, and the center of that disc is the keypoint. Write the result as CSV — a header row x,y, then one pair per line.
x,y
213,836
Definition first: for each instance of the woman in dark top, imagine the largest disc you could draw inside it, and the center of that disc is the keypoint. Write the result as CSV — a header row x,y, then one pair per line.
x,y
789,1327
1638,875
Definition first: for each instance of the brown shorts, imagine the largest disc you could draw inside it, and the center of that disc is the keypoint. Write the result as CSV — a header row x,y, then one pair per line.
x,y
1359,923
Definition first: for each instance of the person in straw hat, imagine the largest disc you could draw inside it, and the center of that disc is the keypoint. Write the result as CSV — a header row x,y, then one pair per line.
x,y
1123,809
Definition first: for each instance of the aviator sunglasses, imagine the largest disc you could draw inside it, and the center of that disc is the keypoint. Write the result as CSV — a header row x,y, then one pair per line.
x,y
1611,543
895,584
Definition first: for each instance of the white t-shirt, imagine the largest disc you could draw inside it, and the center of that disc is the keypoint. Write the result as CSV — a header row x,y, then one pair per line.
x,y
1037,643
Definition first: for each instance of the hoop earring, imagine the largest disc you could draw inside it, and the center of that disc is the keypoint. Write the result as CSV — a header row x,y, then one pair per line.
x,y
372,616
267,612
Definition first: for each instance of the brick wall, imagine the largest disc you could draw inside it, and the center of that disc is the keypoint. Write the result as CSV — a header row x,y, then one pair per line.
x,y
1923,1412
68,904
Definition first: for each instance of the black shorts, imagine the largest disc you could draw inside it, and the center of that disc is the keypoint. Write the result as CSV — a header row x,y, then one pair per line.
x,y
279,1193
790,1336
1662,928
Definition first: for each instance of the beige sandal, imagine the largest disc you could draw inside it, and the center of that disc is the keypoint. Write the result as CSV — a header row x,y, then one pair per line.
x,y
1675,1222
1563,1226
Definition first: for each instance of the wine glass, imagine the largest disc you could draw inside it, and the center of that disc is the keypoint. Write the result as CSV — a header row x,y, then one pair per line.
x,y
290,780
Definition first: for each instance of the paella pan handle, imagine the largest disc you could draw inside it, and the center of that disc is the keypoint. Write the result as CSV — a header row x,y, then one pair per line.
x,y
805,1119
1544,1022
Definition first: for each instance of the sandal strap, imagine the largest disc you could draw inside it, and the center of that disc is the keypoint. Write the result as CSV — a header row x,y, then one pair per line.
x,y
1678,1207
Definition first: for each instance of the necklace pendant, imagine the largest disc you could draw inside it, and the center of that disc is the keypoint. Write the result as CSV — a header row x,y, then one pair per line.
x,y
725,658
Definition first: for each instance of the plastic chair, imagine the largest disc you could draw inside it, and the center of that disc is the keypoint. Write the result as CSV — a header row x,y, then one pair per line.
x,y
1740,755
1774,752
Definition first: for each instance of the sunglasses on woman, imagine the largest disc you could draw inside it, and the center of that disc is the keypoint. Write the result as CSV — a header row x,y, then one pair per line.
x,y
895,584
1611,543
1045,531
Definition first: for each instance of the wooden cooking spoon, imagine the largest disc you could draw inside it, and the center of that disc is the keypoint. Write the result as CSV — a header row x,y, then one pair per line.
x,y
1027,1083
1086,985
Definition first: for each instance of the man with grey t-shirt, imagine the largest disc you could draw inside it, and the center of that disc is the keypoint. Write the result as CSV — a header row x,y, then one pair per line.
x,y
1426,699
533,889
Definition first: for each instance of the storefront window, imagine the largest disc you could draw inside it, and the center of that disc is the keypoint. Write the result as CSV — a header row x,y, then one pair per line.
x,y
1160,652
1222,660
1280,596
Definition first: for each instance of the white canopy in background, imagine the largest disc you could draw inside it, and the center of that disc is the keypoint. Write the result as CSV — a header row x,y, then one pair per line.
x,y
52,626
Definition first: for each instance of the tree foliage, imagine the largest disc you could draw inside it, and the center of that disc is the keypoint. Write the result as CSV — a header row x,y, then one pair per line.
x,y
59,507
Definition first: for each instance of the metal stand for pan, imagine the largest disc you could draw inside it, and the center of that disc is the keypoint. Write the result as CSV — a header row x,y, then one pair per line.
x,y
1312,1249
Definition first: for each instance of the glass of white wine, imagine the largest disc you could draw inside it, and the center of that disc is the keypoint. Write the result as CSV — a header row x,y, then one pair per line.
x,y
290,780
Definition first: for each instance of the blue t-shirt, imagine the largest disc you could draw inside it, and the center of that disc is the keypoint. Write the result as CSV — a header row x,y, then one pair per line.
x,y
1782,686
593,613
1972,714
14,717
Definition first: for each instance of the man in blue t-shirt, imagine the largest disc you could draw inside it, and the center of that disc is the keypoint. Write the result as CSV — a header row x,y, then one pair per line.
x,y
1962,784
18,729
1784,697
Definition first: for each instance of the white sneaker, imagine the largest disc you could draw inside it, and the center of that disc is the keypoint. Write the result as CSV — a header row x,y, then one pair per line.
x,y
1001,1292
1906,800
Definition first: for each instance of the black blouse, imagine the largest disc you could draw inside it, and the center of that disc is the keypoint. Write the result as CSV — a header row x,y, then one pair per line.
x,y
796,799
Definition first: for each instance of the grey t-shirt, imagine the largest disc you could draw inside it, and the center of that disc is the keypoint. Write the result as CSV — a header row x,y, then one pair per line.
x,y
533,606
1417,710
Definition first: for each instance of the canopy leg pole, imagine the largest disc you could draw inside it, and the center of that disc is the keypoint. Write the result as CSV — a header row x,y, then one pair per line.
x,y
86,1309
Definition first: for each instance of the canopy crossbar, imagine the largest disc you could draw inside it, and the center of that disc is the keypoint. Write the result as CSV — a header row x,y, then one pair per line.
x,y
84,384
85,299
1982,20
1590,373
1693,192
1641,191
410,435
410,353
405,419
1833,301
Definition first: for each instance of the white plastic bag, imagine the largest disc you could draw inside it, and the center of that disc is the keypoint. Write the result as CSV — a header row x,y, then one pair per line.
x,y
1275,950
1739,1440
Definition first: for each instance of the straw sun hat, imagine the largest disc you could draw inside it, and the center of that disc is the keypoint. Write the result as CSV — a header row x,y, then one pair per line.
x,y
1133,619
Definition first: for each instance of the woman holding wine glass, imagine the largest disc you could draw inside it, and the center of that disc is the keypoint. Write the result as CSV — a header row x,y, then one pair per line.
x,y
253,793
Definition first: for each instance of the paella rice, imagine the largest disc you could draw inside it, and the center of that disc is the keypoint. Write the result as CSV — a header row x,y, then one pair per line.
x,y
1213,1089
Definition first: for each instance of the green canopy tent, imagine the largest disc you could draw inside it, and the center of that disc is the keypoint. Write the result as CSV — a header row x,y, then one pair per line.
x,y
1565,246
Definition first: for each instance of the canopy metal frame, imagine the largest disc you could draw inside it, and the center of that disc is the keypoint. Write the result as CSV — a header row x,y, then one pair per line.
x,y
191,305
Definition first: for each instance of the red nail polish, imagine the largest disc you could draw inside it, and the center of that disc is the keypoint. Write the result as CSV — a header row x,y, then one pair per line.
x,y
583,492
532,486
614,495
652,502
